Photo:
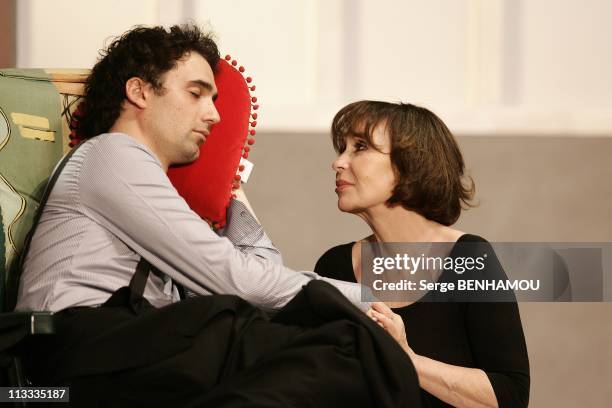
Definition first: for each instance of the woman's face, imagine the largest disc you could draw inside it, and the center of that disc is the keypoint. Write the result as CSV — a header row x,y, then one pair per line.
x,y
364,175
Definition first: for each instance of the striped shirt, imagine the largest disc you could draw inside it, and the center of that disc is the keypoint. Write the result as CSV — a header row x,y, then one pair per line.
x,y
112,204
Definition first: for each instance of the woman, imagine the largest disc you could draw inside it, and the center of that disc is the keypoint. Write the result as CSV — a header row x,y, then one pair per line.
x,y
399,169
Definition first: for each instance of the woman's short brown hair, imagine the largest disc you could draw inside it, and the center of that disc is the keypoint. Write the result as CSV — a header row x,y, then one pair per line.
x,y
425,156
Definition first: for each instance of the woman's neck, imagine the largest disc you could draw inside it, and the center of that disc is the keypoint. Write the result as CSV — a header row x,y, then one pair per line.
x,y
396,224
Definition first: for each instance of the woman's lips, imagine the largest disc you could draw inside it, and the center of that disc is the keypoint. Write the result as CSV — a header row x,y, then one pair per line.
x,y
342,185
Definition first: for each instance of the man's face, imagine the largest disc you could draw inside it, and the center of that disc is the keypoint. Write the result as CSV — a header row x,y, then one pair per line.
x,y
179,117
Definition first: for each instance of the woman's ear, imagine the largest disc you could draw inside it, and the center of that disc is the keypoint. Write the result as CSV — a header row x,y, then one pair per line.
x,y
136,91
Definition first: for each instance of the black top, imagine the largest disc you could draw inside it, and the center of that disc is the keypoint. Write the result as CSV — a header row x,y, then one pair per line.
x,y
481,335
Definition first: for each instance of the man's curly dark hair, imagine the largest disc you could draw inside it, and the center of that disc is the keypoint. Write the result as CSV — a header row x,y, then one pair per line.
x,y
143,52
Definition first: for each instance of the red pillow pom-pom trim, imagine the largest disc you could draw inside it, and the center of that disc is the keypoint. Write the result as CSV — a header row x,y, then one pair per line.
x,y
195,181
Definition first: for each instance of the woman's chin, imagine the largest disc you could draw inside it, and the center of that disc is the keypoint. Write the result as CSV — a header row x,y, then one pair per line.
x,y
347,207
342,206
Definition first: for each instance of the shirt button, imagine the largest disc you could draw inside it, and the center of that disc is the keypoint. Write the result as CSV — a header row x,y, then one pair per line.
x,y
243,213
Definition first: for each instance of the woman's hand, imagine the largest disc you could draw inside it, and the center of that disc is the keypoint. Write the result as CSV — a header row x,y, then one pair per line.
x,y
392,323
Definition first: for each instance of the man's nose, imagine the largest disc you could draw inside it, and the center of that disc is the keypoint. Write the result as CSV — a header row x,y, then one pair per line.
x,y
210,114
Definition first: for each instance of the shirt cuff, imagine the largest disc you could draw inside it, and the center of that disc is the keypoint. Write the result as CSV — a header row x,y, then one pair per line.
x,y
247,235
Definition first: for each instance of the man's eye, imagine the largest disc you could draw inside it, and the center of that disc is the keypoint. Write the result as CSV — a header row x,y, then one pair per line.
x,y
194,94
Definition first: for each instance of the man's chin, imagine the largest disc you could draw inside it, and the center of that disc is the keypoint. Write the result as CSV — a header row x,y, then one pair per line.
x,y
187,158
194,156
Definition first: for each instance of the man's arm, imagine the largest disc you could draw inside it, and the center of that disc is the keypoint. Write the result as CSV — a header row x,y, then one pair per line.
x,y
245,232
123,188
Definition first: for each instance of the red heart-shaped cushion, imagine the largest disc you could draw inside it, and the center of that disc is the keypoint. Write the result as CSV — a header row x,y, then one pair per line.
x,y
206,184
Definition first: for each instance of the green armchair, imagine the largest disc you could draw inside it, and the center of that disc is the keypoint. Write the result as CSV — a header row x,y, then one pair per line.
x,y
35,111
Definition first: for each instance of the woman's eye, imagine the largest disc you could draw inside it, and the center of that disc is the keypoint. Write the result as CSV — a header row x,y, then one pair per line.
x,y
360,146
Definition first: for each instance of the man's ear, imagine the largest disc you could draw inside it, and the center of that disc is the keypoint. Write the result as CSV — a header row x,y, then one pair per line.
x,y
137,92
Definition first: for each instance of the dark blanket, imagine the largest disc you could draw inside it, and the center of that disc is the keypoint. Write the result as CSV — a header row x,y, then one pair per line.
x,y
219,351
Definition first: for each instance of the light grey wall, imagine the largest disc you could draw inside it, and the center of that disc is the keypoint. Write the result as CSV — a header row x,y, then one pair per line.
x,y
529,189
493,66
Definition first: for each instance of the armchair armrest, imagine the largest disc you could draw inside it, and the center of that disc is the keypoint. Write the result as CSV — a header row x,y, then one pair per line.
x,y
15,326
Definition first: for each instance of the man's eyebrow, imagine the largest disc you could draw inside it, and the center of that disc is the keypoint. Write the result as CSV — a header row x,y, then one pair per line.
x,y
203,84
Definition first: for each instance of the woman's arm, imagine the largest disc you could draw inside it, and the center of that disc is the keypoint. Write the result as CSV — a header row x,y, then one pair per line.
x,y
455,385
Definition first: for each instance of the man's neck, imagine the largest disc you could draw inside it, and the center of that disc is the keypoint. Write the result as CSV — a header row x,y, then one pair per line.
x,y
134,131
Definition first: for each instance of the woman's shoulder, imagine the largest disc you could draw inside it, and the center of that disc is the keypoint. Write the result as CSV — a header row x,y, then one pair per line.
x,y
475,246
336,253
470,243
488,267
336,262
466,237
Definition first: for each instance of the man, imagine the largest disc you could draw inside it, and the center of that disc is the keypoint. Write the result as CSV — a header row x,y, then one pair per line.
x,y
150,104
123,336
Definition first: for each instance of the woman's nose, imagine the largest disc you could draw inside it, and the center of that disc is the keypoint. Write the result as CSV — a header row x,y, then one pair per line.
x,y
340,163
